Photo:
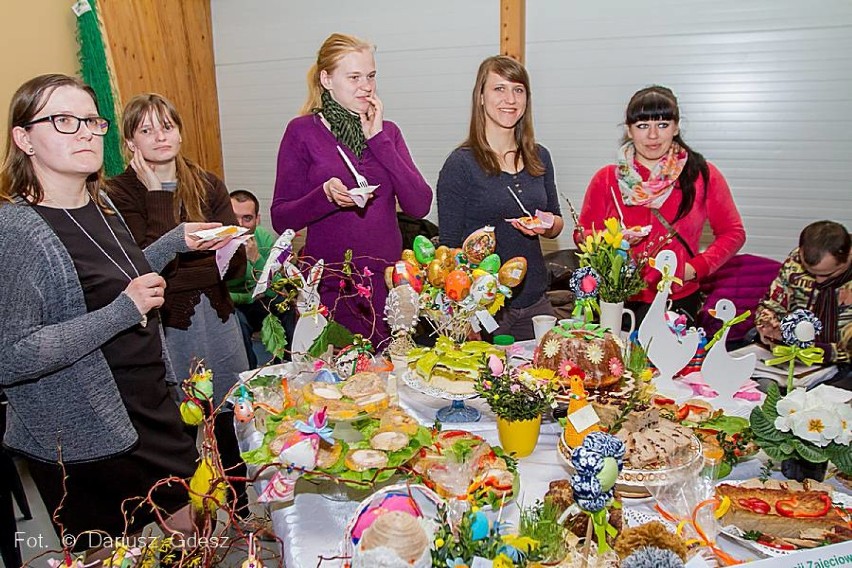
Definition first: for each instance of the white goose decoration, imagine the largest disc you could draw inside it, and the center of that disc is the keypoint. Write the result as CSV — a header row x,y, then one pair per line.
x,y
723,373
665,350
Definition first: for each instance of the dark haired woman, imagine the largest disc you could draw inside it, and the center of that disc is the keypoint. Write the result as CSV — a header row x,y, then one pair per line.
x,y
482,180
81,357
662,182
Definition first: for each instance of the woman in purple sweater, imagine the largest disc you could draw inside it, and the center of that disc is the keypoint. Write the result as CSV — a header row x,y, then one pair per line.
x,y
343,111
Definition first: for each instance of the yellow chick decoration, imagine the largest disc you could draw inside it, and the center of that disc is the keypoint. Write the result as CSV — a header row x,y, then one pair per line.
x,y
576,400
206,493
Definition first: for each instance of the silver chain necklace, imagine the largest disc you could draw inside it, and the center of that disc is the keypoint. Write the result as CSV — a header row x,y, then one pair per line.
x,y
144,321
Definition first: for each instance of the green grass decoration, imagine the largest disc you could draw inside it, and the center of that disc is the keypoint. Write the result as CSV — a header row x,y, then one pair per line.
x,y
94,70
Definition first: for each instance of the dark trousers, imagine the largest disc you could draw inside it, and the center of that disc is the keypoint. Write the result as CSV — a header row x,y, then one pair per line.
x,y
251,316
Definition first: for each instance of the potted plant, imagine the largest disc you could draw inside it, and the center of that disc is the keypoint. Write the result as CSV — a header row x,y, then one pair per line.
x,y
619,268
805,430
518,398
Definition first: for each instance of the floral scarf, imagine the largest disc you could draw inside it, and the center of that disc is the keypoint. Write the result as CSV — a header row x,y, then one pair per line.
x,y
654,192
345,126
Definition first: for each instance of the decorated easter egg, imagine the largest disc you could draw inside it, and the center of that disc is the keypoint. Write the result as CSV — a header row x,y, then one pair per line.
x,y
479,244
436,273
191,413
405,272
608,474
409,256
389,276
444,256
490,263
477,272
457,285
424,250
513,271
484,289
243,411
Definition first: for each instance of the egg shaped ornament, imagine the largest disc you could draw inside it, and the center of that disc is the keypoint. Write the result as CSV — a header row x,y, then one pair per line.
x,y
409,256
457,285
405,272
424,250
479,244
444,255
513,271
484,289
491,263
243,411
389,276
476,273
436,273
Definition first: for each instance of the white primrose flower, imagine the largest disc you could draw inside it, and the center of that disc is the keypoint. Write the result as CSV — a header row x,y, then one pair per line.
x,y
826,394
817,426
795,402
844,414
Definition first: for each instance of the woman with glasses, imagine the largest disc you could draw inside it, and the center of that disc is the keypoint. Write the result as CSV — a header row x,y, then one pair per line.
x,y
81,354
661,184
160,189
343,120
816,276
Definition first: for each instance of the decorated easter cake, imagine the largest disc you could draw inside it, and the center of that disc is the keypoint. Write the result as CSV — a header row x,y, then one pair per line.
x,y
597,353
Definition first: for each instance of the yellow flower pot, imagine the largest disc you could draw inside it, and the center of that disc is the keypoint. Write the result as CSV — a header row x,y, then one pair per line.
x,y
518,438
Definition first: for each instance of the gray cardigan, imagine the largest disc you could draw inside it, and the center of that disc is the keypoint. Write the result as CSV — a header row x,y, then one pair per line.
x,y
59,386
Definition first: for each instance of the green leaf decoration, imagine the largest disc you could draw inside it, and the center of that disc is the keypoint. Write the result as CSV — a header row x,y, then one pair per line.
x,y
775,453
764,429
273,337
770,405
841,456
332,334
809,452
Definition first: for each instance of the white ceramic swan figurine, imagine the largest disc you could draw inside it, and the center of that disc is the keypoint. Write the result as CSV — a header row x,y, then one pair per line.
x,y
665,350
723,373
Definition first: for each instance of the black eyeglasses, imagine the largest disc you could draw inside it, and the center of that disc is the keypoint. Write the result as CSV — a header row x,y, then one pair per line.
x,y
70,124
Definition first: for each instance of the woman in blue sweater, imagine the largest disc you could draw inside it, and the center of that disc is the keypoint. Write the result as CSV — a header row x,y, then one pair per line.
x,y
483,178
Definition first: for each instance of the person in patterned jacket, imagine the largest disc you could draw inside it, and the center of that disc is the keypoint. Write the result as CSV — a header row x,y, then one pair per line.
x,y
817,276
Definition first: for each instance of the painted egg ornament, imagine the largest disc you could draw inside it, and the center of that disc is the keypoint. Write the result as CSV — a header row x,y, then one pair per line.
x,y
479,244
389,276
405,272
477,273
436,273
490,263
409,256
243,411
424,250
191,413
444,256
457,285
484,289
513,271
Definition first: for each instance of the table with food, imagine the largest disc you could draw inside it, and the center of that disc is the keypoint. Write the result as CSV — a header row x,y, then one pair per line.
x,y
578,448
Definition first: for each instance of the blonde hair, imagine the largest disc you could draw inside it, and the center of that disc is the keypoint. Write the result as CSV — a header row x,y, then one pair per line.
x,y
192,182
333,49
486,157
17,176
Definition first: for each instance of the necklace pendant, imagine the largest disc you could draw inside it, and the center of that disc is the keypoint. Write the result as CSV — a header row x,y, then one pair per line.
x,y
144,322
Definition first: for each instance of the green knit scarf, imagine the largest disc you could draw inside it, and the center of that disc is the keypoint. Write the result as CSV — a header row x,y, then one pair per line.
x,y
345,126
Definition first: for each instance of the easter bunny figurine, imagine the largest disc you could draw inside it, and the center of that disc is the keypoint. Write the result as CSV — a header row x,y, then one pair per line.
x,y
311,320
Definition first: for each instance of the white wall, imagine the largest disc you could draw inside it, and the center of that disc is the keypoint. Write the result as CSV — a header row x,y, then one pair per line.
x,y
765,87
427,56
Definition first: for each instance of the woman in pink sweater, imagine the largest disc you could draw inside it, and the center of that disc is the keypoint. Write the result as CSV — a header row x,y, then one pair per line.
x,y
660,181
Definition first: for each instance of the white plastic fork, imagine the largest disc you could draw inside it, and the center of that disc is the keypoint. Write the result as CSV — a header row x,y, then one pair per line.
x,y
524,209
361,180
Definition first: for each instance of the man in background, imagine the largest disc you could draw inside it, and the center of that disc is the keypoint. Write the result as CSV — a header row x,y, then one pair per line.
x,y
817,276
250,312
